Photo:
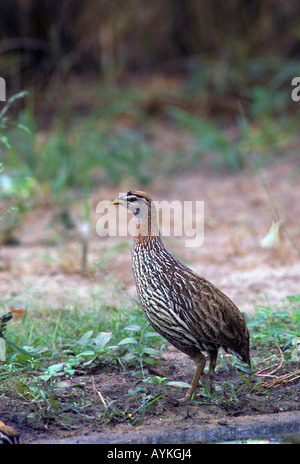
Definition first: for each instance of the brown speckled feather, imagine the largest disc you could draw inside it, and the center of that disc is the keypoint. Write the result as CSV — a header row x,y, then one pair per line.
x,y
179,304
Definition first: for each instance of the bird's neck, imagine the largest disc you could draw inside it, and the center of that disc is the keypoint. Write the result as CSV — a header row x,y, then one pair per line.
x,y
147,226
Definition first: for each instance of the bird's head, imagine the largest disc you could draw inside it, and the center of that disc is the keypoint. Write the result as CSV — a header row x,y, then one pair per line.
x,y
136,201
141,205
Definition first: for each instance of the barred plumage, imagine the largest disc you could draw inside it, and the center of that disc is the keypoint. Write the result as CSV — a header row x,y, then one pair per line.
x,y
186,309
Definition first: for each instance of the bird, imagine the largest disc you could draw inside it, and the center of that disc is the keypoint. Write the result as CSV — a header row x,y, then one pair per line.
x,y
8,435
186,309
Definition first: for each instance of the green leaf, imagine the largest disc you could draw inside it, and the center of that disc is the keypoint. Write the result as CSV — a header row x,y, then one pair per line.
x,y
150,334
102,338
84,340
246,380
128,341
19,349
86,353
133,327
21,94
129,357
4,139
52,370
178,384
150,351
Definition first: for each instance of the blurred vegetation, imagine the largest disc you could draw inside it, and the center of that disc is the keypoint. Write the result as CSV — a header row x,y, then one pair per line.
x,y
102,75
112,37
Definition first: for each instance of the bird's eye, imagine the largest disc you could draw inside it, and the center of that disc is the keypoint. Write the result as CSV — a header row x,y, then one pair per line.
x,y
137,211
130,199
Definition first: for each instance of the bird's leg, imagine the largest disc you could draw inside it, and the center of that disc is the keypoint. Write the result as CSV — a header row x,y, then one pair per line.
x,y
200,364
212,364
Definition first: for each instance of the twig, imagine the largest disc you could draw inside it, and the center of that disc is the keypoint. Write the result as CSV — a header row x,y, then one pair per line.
x,y
271,374
281,380
99,393
276,380
121,364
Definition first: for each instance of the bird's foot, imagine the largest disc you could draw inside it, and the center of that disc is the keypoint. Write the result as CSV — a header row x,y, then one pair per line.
x,y
185,399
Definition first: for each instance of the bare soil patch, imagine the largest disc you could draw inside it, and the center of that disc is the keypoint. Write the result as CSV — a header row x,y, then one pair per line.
x,y
166,420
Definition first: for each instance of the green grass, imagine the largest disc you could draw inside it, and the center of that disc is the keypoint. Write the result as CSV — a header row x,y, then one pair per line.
x,y
73,333
276,325
47,349
75,148
209,137
67,157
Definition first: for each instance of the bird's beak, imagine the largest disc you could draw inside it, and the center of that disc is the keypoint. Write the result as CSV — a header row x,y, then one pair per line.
x,y
119,201
115,201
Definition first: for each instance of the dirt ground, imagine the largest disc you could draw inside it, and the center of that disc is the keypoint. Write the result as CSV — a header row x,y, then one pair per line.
x,y
166,420
238,215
